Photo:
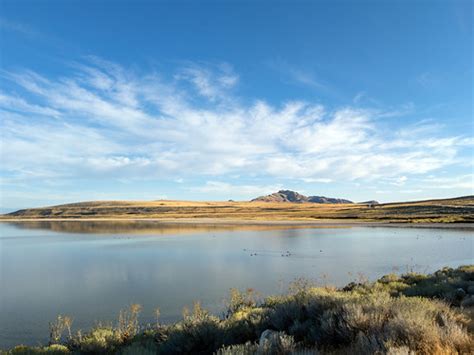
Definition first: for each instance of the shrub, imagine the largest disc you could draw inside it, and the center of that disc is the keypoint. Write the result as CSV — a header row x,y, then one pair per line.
x,y
239,300
374,322
197,333
395,315
128,321
55,349
57,328
239,349
99,340
140,348
244,325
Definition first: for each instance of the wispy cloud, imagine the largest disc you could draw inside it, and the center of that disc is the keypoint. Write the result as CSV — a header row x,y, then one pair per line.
x,y
212,84
465,181
295,75
359,97
105,121
31,33
18,27
427,80
318,180
399,181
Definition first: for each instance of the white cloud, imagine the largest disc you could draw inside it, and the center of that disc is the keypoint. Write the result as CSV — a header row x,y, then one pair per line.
x,y
212,84
359,96
399,181
459,182
17,104
297,75
320,180
103,120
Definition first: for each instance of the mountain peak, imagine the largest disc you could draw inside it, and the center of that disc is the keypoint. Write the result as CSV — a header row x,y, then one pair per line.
x,y
295,197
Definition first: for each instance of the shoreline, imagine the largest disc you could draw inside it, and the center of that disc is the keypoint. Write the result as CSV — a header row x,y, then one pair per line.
x,y
249,222
401,303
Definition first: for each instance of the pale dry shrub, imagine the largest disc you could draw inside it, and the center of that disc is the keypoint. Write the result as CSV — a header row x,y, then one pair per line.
x,y
369,323
248,348
239,300
128,325
198,333
99,340
57,328
278,344
54,349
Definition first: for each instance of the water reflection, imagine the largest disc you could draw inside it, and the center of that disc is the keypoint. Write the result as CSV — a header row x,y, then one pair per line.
x,y
153,227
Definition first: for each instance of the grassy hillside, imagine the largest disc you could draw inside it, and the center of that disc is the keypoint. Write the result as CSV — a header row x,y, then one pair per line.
x,y
447,210
408,314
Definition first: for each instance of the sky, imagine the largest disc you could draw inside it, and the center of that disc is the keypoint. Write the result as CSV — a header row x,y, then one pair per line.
x,y
218,100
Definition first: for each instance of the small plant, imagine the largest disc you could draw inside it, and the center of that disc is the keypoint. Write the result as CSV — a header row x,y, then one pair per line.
x,y
239,300
57,328
128,321
248,348
157,317
300,285
102,339
198,313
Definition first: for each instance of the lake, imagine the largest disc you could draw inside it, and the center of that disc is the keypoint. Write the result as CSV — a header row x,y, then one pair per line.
x,y
90,270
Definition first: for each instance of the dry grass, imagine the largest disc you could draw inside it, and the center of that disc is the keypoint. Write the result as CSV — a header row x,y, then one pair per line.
x,y
433,211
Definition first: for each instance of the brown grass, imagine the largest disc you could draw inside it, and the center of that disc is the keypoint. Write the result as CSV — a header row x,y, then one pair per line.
x,y
433,211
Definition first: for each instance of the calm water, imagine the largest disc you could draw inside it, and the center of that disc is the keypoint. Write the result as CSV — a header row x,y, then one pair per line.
x,y
90,270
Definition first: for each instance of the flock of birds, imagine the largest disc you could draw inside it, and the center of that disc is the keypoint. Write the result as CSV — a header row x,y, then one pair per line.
x,y
288,253
283,254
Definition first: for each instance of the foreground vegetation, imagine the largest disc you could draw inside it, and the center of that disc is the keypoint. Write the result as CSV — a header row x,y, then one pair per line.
x,y
455,210
408,314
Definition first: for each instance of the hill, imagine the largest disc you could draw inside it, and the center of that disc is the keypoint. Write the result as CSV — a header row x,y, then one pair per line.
x,y
295,197
459,209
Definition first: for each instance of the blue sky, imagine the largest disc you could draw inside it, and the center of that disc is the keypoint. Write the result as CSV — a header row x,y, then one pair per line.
x,y
234,99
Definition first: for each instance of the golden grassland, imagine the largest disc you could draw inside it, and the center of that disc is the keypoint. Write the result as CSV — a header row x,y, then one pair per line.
x,y
455,210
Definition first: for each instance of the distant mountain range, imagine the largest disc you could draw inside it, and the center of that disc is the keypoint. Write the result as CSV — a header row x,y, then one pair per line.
x,y
295,197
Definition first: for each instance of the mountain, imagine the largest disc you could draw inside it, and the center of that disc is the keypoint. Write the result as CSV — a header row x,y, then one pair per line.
x,y
371,202
322,199
283,196
295,197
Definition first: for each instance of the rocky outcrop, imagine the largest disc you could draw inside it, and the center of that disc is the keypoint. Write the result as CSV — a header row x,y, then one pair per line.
x,y
322,199
283,196
295,197
371,203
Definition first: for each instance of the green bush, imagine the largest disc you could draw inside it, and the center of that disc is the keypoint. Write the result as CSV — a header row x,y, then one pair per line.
x,y
55,349
239,349
198,333
99,340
